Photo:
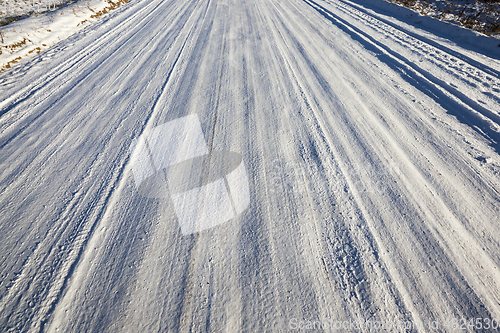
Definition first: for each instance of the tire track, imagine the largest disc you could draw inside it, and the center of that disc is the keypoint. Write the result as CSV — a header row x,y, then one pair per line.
x,y
361,200
387,25
456,68
89,51
79,234
185,323
85,64
336,246
117,183
485,119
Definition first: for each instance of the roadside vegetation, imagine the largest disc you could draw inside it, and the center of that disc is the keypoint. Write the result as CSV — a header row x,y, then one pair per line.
x,y
479,15
14,10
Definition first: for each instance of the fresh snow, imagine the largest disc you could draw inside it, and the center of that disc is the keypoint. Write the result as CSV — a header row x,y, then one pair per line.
x,y
252,166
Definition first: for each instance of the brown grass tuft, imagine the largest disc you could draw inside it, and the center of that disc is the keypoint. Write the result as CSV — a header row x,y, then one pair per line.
x,y
112,6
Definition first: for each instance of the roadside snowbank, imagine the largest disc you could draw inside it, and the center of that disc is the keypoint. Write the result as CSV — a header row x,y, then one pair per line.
x,y
454,37
482,16
13,10
31,35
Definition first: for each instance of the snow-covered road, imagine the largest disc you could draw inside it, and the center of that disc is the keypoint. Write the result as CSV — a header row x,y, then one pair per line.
x,y
368,150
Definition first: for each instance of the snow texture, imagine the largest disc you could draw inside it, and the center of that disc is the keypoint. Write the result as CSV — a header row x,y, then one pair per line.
x,y
369,136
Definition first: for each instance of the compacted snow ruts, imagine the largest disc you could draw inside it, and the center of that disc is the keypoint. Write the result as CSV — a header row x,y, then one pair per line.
x,y
370,153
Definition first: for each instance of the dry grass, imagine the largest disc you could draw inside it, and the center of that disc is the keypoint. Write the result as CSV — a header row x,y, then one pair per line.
x,y
10,63
18,44
112,6
12,47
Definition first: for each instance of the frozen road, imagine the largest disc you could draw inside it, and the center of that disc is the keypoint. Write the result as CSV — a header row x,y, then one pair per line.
x,y
366,156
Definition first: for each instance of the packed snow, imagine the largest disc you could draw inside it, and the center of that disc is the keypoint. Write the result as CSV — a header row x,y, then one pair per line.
x,y
251,166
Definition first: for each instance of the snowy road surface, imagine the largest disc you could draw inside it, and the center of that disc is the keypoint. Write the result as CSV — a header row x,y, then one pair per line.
x,y
369,151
